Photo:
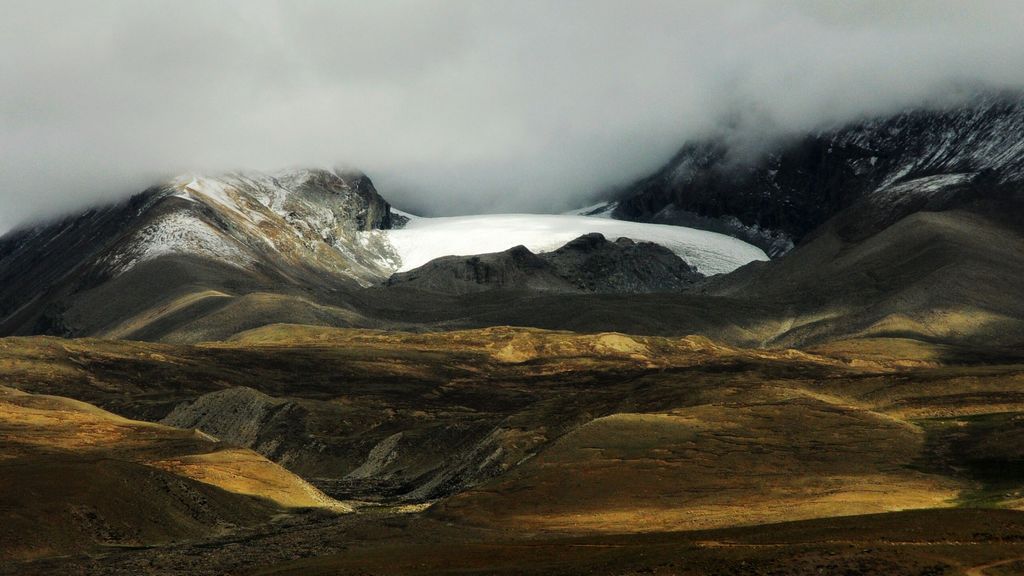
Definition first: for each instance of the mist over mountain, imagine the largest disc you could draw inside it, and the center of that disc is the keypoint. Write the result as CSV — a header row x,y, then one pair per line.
x,y
455,107
919,159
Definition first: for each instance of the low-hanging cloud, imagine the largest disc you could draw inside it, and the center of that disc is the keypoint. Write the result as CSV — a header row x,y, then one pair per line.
x,y
452,106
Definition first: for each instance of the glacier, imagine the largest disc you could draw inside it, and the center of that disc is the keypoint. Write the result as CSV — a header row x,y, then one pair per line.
x,y
424,239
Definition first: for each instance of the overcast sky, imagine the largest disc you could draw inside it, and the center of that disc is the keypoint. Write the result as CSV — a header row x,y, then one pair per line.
x,y
451,106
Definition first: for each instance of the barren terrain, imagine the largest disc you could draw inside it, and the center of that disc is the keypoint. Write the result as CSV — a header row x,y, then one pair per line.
x,y
322,450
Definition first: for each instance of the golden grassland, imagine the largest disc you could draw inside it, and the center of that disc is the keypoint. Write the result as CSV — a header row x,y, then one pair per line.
x,y
72,473
540,436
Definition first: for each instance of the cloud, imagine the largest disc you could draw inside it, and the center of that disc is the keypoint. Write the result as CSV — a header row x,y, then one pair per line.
x,y
452,106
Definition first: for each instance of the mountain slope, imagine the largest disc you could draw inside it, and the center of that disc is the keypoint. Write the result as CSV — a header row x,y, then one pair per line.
x,y
65,466
179,244
777,196
949,276
203,258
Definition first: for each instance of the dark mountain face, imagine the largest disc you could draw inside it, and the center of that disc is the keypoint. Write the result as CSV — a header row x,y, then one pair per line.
x,y
777,198
514,269
590,263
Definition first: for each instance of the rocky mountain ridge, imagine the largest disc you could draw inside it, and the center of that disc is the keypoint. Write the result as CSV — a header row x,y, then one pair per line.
x,y
300,228
781,195
590,263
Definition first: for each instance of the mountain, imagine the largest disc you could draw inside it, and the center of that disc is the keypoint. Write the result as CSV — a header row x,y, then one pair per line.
x,y
590,263
942,275
202,258
185,247
947,276
901,225
777,196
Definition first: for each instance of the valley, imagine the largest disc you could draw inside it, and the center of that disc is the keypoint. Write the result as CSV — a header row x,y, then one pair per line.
x,y
590,451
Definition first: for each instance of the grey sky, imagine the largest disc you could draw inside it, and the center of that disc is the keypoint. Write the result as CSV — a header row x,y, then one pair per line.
x,y
451,106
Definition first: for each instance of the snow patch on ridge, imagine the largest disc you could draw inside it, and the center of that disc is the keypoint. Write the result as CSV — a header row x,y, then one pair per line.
x,y
925,186
599,210
178,233
424,239
213,190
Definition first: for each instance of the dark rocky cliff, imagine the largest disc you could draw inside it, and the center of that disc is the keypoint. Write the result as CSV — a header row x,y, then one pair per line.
x,y
590,263
777,197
